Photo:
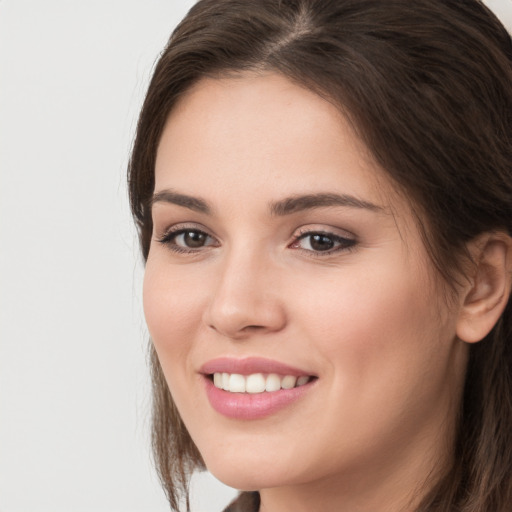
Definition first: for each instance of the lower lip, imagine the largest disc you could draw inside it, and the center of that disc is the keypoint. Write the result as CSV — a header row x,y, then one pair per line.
x,y
248,406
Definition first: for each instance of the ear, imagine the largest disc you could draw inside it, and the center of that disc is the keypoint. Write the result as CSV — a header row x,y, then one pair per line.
x,y
488,291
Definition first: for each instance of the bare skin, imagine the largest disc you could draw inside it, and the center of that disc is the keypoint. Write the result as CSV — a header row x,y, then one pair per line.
x,y
337,284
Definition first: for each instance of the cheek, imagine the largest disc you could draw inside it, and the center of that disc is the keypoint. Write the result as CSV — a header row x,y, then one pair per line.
x,y
379,330
172,308
357,302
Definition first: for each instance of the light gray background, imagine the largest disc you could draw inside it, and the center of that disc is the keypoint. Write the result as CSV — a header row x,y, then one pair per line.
x,y
74,396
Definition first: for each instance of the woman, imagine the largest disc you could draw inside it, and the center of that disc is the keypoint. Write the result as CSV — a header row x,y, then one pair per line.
x,y
323,191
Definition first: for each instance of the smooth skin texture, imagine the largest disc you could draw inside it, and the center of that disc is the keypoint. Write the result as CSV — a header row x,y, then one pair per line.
x,y
359,306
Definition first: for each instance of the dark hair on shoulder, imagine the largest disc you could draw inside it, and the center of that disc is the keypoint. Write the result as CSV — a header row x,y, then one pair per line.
x,y
427,85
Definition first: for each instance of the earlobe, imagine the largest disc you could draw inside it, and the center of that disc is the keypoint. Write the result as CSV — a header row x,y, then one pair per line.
x,y
488,292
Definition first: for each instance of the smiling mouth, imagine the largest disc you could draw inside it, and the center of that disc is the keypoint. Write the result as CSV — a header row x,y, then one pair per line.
x,y
257,382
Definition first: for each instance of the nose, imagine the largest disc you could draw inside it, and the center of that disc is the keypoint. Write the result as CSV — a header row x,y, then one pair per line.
x,y
246,300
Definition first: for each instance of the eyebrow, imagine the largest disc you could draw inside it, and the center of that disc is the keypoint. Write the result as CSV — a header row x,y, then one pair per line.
x,y
299,203
192,203
280,208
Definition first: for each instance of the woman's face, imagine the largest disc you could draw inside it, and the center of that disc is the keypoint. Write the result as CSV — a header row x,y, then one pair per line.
x,y
282,258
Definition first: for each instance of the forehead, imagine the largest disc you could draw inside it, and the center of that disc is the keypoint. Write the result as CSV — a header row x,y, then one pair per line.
x,y
264,133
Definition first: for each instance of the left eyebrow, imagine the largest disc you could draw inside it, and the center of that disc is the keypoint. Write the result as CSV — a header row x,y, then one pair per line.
x,y
299,203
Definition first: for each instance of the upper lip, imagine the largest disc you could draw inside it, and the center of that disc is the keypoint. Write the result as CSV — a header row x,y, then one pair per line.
x,y
249,365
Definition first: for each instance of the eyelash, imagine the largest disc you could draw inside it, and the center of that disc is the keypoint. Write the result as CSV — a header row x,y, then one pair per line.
x,y
341,243
169,239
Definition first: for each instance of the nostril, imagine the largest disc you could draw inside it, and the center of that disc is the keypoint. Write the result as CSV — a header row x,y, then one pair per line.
x,y
239,319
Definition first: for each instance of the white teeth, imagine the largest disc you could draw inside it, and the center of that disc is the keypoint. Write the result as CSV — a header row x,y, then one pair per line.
x,y
304,379
225,381
256,382
289,382
273,382
236,383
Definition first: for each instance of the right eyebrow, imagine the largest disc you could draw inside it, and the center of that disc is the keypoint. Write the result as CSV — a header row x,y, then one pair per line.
x,y
192,203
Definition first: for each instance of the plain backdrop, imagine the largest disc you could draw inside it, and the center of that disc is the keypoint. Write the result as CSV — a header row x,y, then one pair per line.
x,y
74,394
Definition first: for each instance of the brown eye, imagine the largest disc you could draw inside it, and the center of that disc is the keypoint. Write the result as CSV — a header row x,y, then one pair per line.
x,y
187,240
323,243
194,239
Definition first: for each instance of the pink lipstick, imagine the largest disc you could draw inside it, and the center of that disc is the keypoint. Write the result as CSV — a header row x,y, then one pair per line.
x,y
253,388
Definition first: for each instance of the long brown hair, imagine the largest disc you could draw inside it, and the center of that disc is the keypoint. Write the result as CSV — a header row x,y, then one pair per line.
x,y
427,85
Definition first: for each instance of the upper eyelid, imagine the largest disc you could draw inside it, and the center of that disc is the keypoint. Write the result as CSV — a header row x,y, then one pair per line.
x,y
180,226
335,237
345,245
300,232
318,229
168,238
180,231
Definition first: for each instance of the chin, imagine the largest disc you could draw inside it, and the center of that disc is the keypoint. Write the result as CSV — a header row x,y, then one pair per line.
x,y
238,481
245,478
255,469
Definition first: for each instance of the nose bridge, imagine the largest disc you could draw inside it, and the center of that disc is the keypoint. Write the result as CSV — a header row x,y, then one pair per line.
x,y
244,300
